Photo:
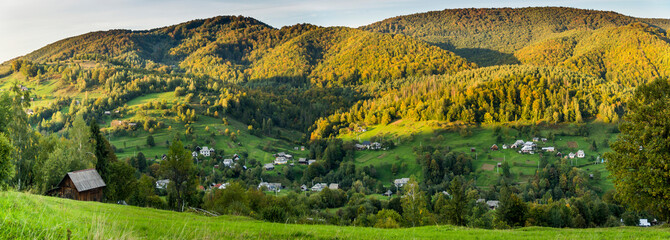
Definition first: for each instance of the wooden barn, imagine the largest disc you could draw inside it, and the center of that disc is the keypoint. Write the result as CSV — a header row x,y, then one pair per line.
x,y
83,185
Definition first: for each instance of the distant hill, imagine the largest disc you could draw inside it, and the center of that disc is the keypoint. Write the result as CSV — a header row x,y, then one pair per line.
x,y
491,36
628,55
237,49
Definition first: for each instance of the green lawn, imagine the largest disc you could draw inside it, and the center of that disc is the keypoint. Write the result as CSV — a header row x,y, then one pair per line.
x,y
26,216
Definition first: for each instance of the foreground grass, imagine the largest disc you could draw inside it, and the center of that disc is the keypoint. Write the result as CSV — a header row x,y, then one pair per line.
x,y
26,216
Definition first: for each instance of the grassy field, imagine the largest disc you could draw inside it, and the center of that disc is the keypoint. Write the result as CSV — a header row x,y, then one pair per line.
x,y
26,216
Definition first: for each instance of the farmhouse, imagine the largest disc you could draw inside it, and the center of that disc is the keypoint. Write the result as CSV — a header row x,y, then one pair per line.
x,y
284,155
318,187
281,160
494,147
400,182
83,185
162,184
580,154
228,162
205,151
269,166
527,149
548,149
493,204
270,186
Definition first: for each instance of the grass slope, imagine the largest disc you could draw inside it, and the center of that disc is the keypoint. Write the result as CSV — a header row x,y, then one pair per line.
x,y
26,216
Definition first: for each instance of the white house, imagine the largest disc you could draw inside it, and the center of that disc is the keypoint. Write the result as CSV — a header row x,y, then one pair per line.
x,y
309,162
205,151
375,146
400,182
505,146
162,184
571,155
269,166
319,186
644,223
527,149
228,162
580,154
493,204
270,186
194,154
333,186
281,160
548,149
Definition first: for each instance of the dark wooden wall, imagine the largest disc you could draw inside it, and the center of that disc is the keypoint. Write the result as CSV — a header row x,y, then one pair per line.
x,y
68,190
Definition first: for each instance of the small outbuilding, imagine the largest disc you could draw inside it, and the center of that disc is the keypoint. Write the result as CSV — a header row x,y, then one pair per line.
x,y
82,185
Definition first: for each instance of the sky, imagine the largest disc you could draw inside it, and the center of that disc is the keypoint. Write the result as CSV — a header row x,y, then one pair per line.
x,y
27,25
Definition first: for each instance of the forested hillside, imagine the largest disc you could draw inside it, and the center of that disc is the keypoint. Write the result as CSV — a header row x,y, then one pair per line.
x,y
627,55
238,49
487,95
491,36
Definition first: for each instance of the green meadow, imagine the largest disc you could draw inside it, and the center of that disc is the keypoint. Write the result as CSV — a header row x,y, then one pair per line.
x,y
27,216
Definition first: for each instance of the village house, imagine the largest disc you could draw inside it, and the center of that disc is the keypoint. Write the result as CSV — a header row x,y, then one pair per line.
x,y
302,161
30,112
82,185
543,139
270,186
280,160
309,162
375,146
494,147
334,186
303,187
205,151
493,204
571,155
580,154
318,187
644,223
108,113
535,139
400,182
517,144
284,155
504,146
269,166
388,193
228,162
162,184
194,154
548,149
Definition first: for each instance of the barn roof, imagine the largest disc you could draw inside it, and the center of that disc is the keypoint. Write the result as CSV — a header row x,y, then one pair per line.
x,y
86,179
